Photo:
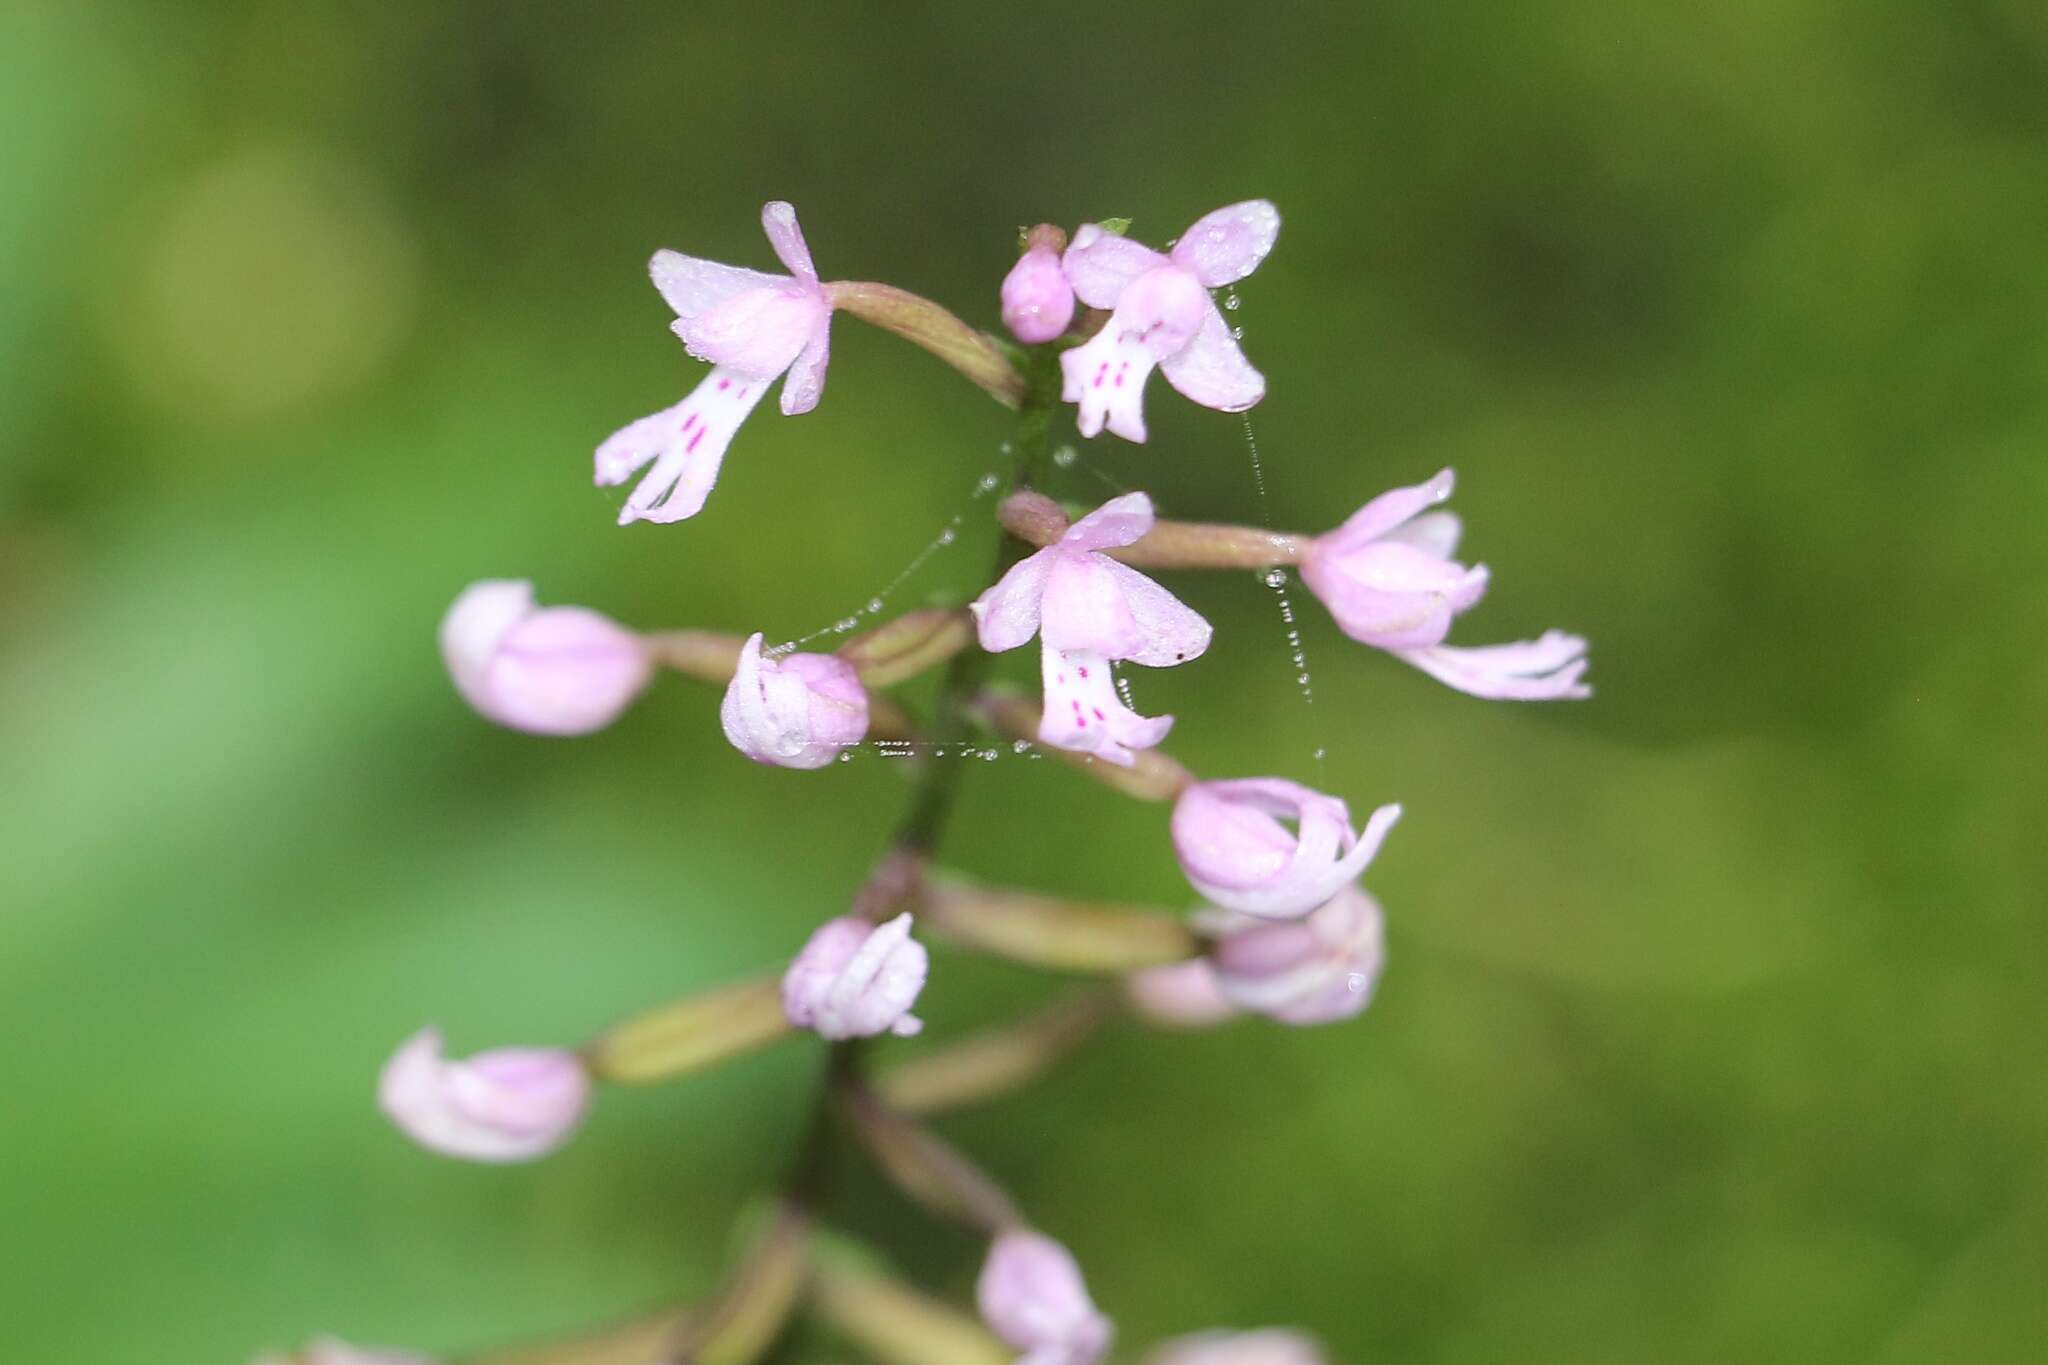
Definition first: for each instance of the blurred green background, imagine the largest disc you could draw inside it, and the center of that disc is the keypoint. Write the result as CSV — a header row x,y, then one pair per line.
x,y
1713,1026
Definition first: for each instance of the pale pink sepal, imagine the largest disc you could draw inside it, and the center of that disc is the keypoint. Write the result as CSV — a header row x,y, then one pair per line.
x,y
1235,850
548,671
1031,1294
1225,246
856,980
798,711
1269,1346
508,1104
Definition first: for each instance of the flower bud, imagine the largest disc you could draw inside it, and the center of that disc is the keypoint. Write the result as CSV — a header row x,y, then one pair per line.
x,y
795,712
1178,995
1272,1346
1235,851
1316,970
1032,1296
1387,574
552,671
853,980
1038,303
509,1104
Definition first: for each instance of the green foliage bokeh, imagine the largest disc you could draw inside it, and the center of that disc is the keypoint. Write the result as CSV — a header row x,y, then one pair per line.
x,y
1713,1027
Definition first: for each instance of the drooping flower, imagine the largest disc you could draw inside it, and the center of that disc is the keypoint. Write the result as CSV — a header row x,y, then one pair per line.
x,y
1315,970
1031,1294
1388,578
798,711
509,1104
855,980
1038,303
1271,1346
1236,852
1088,612
1163,316
751,327
549,671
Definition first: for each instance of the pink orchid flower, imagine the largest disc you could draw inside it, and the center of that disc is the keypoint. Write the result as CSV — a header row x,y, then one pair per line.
x,y
751,327
1237,852
1388,578
1163,316
1089,611
1031,1294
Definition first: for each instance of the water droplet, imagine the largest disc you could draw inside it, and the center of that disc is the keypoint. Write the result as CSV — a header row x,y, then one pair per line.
x,y
988,484
1230,301
844,624
1237,334
1065,456
874,604
1006,448
947,536
1356,981
1303,680
1276,578
1320,753
1022,746
846,756
990,755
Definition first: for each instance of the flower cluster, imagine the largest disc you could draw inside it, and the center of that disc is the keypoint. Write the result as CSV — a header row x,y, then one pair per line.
x,y
1284,929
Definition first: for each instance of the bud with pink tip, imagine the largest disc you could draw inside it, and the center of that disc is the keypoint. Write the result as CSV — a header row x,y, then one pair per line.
x,y
1236,851
509,1104
1272,1346
1178,995
1388,578
856,980
548,671
1032,1296
1038,303
1315,970
798,711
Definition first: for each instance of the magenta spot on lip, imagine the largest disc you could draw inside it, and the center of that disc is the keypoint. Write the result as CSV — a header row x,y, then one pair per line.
x,y
1082,671
691,448
689,421
724,384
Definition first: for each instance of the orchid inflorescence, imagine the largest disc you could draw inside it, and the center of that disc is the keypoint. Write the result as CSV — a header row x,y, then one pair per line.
x,y
1284,930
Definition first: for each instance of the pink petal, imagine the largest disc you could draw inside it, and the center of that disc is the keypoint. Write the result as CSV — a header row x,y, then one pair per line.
x,y
1225,246
1106,376
1173,632
692,286
1212,371
805,383
1433,533
1084,713
1545,669
1391,509
1120,521
778,220
1099,264
1007,614
692,445
758,333
1084,608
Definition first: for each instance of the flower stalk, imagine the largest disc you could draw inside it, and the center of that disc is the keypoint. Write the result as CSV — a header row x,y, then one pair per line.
x,y
921,322
690,1034
1057,935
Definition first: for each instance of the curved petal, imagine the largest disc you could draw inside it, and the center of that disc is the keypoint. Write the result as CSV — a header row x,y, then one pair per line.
x,y
1099,264
805,383
1120,521
1173,631
1225,246
1392,509
1545,669
693,286
778,220
1084,608
477,622
1007,614
1433,533
1212,371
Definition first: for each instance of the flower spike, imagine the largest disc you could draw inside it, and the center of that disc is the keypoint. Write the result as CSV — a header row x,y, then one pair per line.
x,y
1163,316
752,327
